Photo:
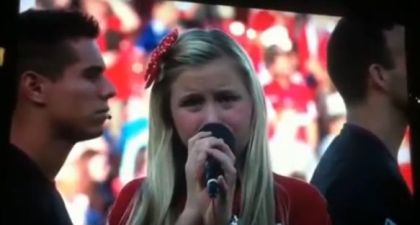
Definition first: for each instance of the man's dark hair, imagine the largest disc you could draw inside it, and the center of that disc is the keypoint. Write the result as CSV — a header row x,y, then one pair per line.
x,y
43,36
355,44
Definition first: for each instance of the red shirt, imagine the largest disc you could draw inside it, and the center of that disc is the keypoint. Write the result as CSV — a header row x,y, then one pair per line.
x,y
120,73
297,203
298,96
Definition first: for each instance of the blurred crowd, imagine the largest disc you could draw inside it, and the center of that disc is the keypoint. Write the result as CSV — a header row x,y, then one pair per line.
x,y
289,54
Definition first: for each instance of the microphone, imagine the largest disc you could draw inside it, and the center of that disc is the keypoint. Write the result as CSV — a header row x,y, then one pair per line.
x,y
212,166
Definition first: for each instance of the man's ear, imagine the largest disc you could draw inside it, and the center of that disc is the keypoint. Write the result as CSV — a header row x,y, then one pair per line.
x,y
378,77
34,87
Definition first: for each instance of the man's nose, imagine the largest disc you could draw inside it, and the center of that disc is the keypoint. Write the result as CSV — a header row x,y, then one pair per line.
x,y
108,90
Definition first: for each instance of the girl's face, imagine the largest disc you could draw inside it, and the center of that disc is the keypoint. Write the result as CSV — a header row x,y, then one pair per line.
x,y
213,93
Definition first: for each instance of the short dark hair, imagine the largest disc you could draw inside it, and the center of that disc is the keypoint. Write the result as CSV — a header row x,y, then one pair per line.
x,y
355,44
42,36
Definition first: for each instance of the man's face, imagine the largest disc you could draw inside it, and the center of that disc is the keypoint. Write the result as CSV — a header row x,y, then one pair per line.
x,y
398,75
77,102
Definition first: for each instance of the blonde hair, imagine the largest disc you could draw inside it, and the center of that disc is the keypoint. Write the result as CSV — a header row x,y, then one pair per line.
x,y
153,204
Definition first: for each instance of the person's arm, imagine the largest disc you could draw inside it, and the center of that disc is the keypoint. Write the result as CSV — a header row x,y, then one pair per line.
x,y
320,73
311,129
130,21
312,133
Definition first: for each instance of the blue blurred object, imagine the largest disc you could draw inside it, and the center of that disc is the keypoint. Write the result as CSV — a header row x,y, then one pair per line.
x,y
134,137
152,34
130,130
93,217
311,81
112,142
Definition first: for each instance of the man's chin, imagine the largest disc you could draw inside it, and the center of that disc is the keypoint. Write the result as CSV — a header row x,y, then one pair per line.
x,y
91,134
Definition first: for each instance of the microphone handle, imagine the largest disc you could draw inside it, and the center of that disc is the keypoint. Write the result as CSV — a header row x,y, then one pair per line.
x,y
213,171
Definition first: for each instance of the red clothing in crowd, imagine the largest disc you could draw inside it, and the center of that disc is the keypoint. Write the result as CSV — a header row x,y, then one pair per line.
x,y
297,203
298,97
300,36
112,24
120,73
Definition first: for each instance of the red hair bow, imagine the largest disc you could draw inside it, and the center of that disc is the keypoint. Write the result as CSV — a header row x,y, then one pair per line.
x,y
153,68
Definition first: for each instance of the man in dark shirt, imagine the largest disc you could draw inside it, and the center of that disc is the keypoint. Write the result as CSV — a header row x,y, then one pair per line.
x,y
61,99
359,173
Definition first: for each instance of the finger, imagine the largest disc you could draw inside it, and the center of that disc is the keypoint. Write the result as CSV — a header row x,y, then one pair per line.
x,y
225,162
224,187
201,160
195,161
226,191
225,148
206,142
218,143
196,137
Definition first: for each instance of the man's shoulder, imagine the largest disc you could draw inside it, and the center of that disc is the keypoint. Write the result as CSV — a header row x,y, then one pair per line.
x,y
40,204
335,162
345,174
347,159
348,164
363,201
360,193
